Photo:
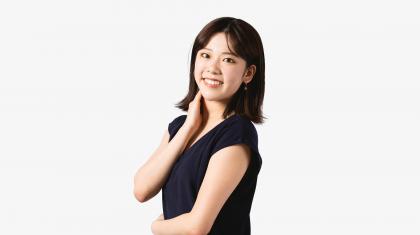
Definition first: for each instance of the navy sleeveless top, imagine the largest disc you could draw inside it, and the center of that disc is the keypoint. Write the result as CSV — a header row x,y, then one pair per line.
x,y
180,190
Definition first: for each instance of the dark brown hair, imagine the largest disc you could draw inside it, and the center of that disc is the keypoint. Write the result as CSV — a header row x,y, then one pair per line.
x,y
246,44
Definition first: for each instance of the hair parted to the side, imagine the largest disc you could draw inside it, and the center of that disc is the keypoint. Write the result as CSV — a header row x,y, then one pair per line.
x,y
247,44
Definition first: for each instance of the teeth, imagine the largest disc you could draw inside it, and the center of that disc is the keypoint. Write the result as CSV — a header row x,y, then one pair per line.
x,y
213,82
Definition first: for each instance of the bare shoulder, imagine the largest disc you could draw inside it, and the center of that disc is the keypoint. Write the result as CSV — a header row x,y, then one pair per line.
x,y
225,170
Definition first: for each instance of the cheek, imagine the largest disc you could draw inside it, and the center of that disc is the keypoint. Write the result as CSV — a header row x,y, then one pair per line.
x,y
197,75
234,76
234,86
198,69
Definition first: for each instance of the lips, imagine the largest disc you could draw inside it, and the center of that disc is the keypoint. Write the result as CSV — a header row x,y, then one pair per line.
x,y
211,83
213,79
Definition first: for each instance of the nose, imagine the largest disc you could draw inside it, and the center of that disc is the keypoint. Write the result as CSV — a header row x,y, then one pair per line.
x,y
213,69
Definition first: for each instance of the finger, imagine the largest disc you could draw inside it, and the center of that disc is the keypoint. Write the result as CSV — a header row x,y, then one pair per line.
x,y
197,100
198,95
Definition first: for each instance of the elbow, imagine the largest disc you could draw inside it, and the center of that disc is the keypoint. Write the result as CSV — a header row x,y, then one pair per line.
x,y
141,191
198,225
140,195
197,232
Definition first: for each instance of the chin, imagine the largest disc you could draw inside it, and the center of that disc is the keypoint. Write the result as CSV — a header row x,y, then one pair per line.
x,y
209,97
213,97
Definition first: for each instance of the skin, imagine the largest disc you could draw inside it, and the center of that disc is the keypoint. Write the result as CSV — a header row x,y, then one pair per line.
x,y
228,165
227,68
211,62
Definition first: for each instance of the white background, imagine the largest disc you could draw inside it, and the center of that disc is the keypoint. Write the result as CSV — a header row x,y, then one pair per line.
x,y
87,89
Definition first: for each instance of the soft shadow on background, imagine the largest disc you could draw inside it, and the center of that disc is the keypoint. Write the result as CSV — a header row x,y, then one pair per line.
x,y
87,89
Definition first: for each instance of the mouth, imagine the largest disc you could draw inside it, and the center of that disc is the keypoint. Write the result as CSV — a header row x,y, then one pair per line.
x,y
213,80
213,83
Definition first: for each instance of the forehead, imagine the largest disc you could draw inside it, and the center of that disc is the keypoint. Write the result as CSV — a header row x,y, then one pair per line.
x,y
218,44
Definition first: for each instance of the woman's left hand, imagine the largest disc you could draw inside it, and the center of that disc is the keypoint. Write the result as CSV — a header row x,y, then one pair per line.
x,y
152,227
160,217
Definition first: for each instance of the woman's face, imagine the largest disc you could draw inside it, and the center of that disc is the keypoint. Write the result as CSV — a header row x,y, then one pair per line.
x,y
215,62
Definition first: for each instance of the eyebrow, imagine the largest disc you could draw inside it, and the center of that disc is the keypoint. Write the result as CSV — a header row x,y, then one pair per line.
x,y
225,52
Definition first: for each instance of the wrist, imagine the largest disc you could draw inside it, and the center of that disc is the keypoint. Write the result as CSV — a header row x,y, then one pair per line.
x,y
189,130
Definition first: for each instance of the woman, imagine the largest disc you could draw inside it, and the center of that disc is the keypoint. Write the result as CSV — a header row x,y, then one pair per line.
x,y
208,162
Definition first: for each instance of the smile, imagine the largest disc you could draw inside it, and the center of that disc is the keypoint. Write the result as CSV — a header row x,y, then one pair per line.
x,y
212,83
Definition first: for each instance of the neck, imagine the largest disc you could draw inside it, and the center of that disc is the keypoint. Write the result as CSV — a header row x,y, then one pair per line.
x,y
213,110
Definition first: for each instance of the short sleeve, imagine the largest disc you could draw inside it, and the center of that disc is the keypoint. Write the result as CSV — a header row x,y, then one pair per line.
x,y
175,124
237,132
240,131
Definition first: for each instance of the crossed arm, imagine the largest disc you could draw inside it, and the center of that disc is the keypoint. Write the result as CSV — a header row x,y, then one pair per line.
x,y
224,172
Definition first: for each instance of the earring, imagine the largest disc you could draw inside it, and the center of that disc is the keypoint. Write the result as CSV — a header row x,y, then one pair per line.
x,y
245,88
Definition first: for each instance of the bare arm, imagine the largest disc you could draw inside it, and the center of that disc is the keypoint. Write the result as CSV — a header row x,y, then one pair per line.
x,y
225,170
149,179
151,176
180,225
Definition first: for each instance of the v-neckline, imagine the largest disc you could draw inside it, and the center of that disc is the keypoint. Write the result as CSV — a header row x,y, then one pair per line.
x,y
206,134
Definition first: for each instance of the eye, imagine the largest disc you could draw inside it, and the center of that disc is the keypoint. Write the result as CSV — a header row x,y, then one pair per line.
x,y
203,54
230,59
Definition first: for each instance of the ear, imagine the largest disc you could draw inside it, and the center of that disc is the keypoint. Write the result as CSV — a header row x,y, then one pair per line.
x,y
249,73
